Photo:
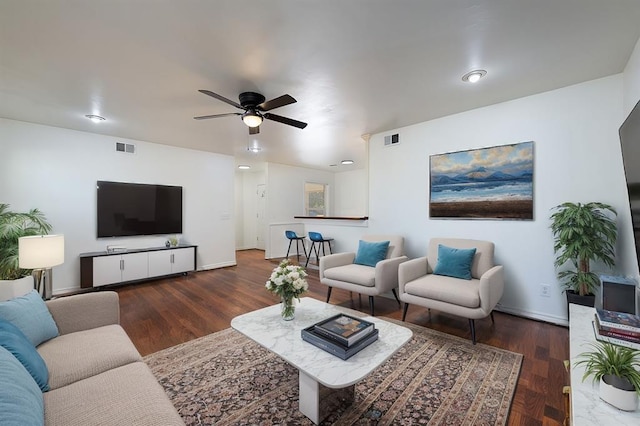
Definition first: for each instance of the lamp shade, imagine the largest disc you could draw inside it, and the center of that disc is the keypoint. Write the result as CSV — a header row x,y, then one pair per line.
x,y
40,251
252,118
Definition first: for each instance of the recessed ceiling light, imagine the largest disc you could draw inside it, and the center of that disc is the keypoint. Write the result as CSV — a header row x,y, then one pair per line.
x,y
244,167
346,162
95,118
474,76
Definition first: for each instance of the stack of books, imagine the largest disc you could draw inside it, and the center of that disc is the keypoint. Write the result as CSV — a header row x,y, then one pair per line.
x,y
341,335
619,328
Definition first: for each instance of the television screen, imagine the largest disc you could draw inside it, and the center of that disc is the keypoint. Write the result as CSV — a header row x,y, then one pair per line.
x,y
630,144
126,209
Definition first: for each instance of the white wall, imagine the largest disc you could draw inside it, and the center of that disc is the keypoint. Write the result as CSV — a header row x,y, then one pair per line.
x,y
351,191
56,171
631,77
577,158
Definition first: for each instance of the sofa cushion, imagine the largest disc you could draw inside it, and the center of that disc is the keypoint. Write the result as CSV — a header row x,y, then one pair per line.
x,y
21,401
370,253
446,289
13,340
30,314
454,262
353,273
76,356
127,395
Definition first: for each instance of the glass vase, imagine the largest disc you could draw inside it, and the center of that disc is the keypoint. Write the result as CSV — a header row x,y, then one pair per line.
x,y
288,308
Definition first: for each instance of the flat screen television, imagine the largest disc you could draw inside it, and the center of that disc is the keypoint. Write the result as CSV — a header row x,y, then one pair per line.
x,y
127,209
630,144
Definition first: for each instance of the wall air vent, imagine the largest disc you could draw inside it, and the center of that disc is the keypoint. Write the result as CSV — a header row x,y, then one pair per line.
x,y
391,140
125,147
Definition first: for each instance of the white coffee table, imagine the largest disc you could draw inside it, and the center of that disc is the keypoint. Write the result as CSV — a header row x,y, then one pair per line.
x,y
323,378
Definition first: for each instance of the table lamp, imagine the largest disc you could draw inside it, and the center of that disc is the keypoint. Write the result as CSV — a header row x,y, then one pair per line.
x,y
41,253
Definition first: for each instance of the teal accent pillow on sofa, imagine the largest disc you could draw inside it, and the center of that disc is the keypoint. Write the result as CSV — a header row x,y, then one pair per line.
x,y
21,401
30,314
454,262
370,253
13,340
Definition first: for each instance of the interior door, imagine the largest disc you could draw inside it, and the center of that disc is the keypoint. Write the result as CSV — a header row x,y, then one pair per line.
x,y
261,214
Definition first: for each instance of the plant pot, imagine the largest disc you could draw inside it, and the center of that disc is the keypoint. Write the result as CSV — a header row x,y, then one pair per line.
x,y
618,392
575,298
15,288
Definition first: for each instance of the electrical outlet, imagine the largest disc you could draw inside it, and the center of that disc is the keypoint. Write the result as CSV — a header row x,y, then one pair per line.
x,y
545,290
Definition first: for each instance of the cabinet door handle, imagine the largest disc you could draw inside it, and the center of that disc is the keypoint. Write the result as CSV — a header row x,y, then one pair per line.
x,y
122,264
172,258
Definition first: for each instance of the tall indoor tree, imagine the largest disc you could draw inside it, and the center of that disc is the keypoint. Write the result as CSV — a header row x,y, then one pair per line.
x,y
583,233
14,225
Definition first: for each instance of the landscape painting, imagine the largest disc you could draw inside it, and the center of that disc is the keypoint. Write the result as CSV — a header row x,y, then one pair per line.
x,y
487,183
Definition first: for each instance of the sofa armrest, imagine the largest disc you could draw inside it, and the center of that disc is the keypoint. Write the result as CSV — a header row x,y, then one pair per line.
x,y
387,273
491,288
412,270
85,311
333,261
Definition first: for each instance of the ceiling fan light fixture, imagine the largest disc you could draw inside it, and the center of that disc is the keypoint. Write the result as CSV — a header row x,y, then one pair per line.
x,y
251,118
473,76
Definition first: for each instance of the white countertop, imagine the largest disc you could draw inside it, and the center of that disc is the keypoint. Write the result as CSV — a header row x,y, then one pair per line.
x,y
586,406
267,328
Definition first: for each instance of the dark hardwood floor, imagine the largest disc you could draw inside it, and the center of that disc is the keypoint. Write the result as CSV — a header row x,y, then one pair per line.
x,y
163,313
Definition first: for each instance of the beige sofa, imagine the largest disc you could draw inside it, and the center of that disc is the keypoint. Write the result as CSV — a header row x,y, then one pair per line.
x,y
472,299
96,375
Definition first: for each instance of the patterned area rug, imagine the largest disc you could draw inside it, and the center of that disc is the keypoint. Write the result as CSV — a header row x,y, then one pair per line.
x,y
226,379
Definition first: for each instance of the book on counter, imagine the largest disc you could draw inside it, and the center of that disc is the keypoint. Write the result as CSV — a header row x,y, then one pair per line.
x,y
311,335
615,341
618,320
617,332
344,329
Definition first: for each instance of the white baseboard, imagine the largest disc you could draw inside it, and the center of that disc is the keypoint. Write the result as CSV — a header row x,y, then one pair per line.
x,y
216,266
539,316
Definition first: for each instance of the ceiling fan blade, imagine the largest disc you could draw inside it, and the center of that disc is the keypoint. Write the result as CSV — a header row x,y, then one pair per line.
x,y
276,103
204,117
254,130
221,98
285,120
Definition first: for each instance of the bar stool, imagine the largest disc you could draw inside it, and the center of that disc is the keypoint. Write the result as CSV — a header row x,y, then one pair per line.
x,y
317,237
291,235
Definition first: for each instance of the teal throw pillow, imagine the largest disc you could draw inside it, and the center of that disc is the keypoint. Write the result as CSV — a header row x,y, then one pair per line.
x,y
30,314
454,262
17,343
371,253
21,401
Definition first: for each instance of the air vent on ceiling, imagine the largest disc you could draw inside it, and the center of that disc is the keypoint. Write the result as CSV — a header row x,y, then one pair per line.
x,y
391,140
125,147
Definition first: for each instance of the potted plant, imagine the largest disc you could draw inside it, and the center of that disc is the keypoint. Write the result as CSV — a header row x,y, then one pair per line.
x,y
617,368
13,226
583,233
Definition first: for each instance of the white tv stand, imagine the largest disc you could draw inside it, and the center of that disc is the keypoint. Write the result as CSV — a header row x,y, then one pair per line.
x,y
102,268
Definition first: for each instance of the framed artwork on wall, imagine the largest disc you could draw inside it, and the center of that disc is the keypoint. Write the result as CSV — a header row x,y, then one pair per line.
x,y
485,183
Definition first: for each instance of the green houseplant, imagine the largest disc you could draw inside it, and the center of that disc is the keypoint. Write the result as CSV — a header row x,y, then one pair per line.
x,y
14,225
617,368
583,233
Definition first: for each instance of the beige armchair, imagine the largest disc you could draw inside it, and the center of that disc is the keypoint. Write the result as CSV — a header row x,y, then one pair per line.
x,y
472,299
338,270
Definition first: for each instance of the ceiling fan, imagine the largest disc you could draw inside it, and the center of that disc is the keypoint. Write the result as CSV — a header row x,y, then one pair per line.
x,y
255,110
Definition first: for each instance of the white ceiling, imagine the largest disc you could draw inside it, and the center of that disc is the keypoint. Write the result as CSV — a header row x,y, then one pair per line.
x,y
356,67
